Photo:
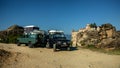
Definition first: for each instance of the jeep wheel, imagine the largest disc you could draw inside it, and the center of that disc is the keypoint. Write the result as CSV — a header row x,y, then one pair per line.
x,y
30,45
54,47
68,48
47,45
26,44
18,43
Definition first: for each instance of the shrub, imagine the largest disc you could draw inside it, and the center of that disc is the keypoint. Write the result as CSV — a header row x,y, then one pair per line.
x,y
93,25
12,38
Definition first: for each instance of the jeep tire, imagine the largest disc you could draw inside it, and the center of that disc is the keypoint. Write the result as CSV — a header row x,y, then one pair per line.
x,y
54,47
68,48
47,45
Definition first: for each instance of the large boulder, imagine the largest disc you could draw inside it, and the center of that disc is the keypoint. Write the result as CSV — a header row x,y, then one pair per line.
x,y
107,31
105,43
89,37
109,43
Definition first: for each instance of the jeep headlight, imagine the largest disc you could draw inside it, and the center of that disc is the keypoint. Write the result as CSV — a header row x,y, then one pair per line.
x,y
64,43
59,42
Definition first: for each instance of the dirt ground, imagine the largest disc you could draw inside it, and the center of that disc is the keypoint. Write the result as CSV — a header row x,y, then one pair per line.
x,y
24,57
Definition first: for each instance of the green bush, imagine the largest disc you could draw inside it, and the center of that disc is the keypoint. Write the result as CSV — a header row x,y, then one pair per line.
x,y
111,52
93,25
12,38
91,46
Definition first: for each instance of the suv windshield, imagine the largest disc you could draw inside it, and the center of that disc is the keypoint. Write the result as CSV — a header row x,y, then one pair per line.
x,y
59,35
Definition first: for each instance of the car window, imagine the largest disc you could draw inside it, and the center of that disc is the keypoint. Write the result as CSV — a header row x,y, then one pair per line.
x,y
32,36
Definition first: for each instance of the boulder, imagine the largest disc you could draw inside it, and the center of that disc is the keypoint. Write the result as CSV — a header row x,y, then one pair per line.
x,y
89,37
107,31
109,43
104,43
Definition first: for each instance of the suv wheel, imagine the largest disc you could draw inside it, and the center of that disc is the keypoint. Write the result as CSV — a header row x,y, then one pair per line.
x,y
54,47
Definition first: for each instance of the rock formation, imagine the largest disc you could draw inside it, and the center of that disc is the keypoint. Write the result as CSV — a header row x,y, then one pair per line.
x,y
104,36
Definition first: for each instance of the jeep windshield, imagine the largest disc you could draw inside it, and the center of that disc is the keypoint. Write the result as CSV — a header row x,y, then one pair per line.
x,y
59,36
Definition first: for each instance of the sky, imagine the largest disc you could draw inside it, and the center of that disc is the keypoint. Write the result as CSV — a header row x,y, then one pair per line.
x,y
63,15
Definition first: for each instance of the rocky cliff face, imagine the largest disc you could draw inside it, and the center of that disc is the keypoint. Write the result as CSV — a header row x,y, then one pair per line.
x,y
104,36
12,32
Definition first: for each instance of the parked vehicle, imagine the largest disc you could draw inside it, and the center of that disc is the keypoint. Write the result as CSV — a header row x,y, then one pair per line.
x,y
57,40
30,28
32,39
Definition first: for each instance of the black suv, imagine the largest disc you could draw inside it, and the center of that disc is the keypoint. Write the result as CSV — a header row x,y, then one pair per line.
x,y
57,41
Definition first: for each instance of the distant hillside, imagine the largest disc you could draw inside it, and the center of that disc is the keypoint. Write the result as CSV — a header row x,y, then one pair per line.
x,y
10,34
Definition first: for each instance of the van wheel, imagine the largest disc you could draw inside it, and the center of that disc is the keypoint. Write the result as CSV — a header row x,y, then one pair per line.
x,y
54,47
30,45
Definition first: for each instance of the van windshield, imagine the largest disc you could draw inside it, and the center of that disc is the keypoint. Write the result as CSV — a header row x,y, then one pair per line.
x,y
33,36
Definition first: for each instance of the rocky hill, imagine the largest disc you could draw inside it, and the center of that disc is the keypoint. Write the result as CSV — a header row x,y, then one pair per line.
x,y
104,36
10,34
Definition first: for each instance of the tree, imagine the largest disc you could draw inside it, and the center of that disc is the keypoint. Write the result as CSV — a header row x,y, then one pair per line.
x,y
93,25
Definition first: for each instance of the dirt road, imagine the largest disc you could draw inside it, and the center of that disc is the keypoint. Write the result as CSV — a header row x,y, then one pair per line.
x,y
24,57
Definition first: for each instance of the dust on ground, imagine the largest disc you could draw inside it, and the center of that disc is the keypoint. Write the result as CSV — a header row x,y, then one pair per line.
x,y
13,56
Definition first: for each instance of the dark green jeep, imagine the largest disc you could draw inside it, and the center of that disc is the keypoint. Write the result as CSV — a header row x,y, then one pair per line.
x,y
57,40
32,39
